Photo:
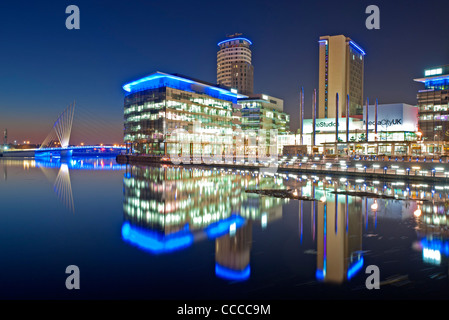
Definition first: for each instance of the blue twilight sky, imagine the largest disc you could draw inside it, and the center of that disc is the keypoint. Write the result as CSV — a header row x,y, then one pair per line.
x,y
44,67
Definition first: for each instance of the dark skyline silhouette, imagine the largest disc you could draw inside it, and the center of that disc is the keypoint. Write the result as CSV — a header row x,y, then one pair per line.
x,y
45,67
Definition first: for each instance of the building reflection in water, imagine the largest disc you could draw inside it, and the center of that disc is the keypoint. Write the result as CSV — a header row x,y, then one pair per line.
x,y
62,185
169,208
336,229
232,253
432,228
339,237
338,221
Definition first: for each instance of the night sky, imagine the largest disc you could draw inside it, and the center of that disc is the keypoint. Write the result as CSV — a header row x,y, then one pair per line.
x,y
45,67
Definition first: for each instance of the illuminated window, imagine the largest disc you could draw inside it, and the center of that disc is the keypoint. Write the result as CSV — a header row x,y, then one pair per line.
x,y
433,72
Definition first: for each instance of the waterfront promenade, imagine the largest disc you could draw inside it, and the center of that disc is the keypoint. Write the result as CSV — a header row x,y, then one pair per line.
x,y
431,169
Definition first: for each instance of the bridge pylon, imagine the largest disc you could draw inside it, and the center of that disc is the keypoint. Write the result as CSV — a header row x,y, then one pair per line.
x,y
61,130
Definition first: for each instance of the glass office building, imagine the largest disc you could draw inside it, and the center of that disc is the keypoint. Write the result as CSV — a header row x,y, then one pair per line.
x,y
265,116
161,108
433,104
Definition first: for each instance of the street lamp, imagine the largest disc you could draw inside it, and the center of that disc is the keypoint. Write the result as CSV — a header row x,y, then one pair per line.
x,y
434,138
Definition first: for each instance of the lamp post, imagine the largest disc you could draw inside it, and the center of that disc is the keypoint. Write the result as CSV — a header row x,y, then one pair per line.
x,y
336,124
314,120
434,143
301,116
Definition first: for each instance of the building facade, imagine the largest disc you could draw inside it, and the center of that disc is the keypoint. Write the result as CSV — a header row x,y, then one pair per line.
x,y
396,132
234,68
433,104
265,115
341,64
161,106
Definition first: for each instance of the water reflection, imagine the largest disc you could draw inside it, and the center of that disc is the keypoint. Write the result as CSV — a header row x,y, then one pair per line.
x,y
172,212
232,253
339,222
433,232
339,238
170,208
62,185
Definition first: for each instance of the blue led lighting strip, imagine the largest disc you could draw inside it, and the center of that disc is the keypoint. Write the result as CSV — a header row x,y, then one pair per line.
x,y
232,39
158,80
357,47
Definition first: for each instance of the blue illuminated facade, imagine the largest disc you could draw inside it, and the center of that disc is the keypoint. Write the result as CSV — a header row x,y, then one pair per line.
x,y
157,105
433,107
234,39
159,80
357,47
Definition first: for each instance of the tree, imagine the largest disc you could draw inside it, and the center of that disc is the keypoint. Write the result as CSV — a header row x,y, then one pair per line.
x,y
362,137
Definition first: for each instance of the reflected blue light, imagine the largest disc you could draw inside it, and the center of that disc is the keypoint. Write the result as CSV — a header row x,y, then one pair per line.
x,y
230,274
222,227
154,242
320,274
79,164
436,245
354,268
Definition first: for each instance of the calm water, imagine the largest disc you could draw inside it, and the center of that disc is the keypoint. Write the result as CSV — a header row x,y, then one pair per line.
x,y
192,233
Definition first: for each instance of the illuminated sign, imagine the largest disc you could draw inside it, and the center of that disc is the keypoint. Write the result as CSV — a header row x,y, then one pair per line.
x,y
328,125
432,72
390,117
393,117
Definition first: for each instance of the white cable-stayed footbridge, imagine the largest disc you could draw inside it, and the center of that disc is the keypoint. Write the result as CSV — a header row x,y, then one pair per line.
x,y
57,142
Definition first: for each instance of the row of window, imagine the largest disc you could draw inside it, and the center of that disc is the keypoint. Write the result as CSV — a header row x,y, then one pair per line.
x,y
432,116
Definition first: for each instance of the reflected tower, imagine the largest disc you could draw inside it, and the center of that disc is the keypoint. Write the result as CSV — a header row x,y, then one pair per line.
x,y
232,254
339,238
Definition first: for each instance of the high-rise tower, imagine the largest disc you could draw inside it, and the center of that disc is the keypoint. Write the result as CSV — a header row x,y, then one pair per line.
x,y
234,68
340,71
433,103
